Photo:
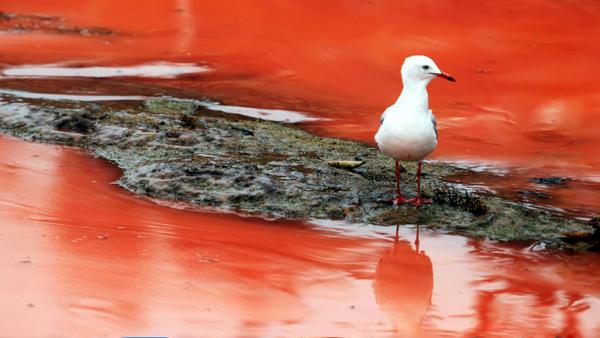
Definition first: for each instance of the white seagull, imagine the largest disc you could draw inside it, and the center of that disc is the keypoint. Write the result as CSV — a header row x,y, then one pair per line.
x,y
408,129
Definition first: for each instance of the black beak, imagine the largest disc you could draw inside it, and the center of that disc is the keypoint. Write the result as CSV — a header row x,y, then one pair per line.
x,y
445,76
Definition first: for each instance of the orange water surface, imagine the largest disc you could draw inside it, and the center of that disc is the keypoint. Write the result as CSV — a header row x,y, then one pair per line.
x,y
81,257
526,97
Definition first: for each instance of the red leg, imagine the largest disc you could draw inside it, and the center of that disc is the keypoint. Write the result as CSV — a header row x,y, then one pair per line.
x,y
417,241
399,198
418,200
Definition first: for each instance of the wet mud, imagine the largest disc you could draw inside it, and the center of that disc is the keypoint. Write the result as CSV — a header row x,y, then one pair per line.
x,y
177,150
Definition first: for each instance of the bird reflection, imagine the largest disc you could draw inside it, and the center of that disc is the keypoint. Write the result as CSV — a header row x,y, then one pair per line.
x,y
527,279
403,286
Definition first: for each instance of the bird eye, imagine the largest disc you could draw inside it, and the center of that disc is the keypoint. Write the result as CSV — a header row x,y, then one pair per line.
x,y
425,67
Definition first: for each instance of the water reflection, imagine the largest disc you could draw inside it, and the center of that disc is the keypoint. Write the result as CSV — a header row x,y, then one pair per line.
x,y
279,115
519,287
103,262
156,69
82,255
69,97
403,284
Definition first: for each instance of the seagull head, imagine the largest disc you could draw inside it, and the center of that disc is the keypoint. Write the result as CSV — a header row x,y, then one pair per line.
x,y
419,68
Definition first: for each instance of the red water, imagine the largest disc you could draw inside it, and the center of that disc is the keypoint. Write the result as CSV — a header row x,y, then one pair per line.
x,y
526,96
81,257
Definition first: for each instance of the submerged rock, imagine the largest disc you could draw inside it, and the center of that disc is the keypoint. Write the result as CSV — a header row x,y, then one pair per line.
x,y
552,180
176,150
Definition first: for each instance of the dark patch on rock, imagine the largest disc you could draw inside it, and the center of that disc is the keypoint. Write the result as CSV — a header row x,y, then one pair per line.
x,y
188,121
172,133
453,197
78,123
585,241
243,131
594,238
551,180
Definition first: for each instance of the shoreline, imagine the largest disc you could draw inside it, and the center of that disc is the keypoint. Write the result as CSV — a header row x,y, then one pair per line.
x,y
177,150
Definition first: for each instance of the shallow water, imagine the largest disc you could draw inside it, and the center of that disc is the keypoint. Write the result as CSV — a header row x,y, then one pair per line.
x,y
525,101
82,257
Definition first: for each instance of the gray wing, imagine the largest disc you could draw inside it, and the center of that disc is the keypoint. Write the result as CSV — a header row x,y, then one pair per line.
x,y
434,123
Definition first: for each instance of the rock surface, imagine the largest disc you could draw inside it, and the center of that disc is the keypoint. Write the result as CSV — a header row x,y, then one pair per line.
x,y
176,150
18,22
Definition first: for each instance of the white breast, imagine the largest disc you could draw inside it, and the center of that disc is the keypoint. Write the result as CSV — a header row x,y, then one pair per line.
x,y
407,135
